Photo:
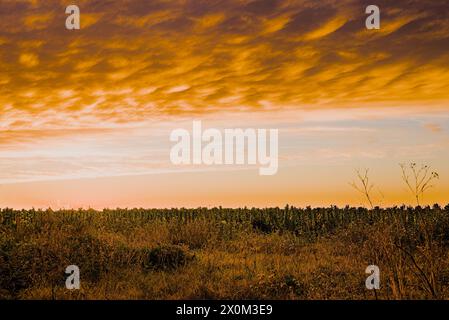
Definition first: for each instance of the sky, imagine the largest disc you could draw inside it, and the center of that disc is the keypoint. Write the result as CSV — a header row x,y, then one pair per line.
x,y
86,115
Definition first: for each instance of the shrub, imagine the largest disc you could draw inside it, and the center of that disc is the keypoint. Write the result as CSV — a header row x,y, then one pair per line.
x,y
166,257
14,273
263,226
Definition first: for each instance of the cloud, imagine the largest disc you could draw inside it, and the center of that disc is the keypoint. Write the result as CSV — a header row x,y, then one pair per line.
x,y
29,60
138,60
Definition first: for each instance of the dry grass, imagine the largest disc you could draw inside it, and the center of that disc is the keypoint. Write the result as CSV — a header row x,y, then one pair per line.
x,y
225,254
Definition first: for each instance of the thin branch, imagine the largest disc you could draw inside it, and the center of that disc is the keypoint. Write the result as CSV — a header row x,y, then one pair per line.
x,y
421,180
365,187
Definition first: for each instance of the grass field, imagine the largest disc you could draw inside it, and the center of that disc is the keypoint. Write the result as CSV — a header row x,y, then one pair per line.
x,y
218,253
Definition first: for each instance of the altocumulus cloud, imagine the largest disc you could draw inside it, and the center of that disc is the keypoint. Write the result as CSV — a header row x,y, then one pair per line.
x,y
133,60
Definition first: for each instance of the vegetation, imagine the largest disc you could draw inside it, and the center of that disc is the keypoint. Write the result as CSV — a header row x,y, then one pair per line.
x,y
364,186
418,180
271,253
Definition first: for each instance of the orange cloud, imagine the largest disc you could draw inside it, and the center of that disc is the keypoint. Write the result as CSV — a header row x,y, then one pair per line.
x,y
29,60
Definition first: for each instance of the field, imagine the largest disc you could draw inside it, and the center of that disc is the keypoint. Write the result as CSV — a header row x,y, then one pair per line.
x,y
272,253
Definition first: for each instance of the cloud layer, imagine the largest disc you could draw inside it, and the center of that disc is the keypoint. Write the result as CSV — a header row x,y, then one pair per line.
x,y
136,59
101,101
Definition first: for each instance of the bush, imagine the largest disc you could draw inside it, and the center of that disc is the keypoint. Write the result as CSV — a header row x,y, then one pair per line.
x,y
14,271
166,257
23,264
263,226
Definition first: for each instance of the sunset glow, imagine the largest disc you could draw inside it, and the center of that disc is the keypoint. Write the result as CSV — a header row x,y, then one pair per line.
x,y
86,115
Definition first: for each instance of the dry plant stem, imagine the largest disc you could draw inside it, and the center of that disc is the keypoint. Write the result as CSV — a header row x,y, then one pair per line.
x,y
430,286
365,187
420,181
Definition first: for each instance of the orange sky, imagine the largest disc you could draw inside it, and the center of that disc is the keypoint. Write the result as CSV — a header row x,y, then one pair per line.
x,y
85,115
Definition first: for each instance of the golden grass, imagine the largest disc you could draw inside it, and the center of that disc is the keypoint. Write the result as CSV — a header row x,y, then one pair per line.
x,y
226,254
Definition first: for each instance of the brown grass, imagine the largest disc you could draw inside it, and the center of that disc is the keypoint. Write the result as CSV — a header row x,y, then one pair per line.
x,y
225,253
